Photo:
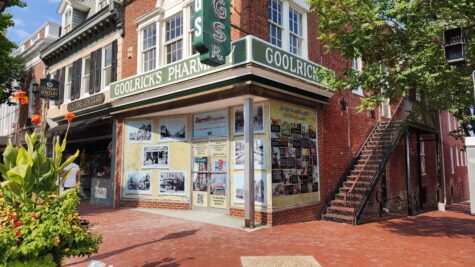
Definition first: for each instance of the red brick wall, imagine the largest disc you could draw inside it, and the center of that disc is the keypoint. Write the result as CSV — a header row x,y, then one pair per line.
x,y
118,162
456,183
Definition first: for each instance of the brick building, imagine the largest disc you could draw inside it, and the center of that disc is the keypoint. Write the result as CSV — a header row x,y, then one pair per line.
x,y
176,126
17,117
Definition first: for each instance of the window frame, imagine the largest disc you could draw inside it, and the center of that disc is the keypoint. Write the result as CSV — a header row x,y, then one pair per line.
x,y
176,39
67,22
272,23
104,67
85,75
357,67
68,84
452,168
422,156
143,51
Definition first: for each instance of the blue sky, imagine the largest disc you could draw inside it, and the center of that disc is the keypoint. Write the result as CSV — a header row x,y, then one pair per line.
x,y
29,19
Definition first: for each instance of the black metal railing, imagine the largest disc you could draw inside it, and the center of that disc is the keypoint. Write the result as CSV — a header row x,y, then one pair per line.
x,y
348,170
381,153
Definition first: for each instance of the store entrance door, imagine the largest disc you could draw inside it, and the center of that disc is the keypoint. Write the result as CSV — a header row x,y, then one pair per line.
x,y
210,175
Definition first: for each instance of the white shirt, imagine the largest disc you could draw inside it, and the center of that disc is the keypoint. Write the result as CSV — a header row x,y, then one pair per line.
x,y
71,180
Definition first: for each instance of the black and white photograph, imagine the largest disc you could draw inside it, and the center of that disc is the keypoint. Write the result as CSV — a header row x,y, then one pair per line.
x,y
172,183
155,156
173,129
278,189
257,121
140,131
275,158
138,182
259,154
259,188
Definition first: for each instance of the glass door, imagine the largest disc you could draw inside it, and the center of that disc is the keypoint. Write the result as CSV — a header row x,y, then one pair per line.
x,y
210,175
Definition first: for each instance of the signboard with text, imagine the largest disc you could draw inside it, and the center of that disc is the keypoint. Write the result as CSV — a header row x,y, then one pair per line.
x,y
212,35
49,89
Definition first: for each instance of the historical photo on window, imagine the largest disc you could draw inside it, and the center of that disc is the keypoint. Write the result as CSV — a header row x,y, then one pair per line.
x,y
259,154
138,182
259,188
257,119
155,156
173,129
172,183
218,184
140,131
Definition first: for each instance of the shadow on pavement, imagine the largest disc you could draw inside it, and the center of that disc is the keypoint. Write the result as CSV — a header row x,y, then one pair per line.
x,y
167,262
432,226
119,251
463,207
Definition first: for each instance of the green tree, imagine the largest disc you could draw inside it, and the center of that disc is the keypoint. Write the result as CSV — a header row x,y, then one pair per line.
x,y
11,67
401,43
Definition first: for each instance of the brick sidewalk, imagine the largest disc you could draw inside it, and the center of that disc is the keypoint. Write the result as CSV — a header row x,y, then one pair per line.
x,y
133,238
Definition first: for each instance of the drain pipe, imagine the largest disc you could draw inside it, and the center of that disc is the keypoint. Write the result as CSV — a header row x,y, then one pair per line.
x,y
408,175
441,206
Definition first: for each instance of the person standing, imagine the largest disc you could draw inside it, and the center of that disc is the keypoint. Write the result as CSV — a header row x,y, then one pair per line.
x,y
73,177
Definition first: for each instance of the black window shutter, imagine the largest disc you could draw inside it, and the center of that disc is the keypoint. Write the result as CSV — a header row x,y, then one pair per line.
x,y
114,62
92,72
57,77
76,89
97,83
62,79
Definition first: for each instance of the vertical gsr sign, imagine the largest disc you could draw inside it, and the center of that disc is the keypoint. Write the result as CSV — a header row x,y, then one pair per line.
x,y
212,36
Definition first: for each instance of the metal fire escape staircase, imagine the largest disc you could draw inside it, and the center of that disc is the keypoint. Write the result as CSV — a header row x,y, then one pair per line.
x,y
355,187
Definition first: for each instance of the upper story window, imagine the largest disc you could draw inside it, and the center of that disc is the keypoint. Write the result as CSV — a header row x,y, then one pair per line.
x,y
174,38
68,82
287,26
101,4
86,74
107,68
191,29
67,23
149,47
275,22
449,122
357,65
423,157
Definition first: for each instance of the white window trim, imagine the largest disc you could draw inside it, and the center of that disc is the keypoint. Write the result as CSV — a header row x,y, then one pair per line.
x,y
67,91
451,160
84,90
457,156
359,90
67,23
103,68
163,35
141,25
286,26
97,5
449,122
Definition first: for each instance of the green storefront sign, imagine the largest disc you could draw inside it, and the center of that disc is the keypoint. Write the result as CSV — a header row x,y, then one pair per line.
x,y
212,36
261,53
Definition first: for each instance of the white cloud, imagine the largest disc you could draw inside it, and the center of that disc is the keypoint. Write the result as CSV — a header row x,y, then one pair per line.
x,y
20,33
18,22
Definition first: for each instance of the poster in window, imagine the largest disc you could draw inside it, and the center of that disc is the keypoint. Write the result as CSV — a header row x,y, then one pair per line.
x,y
259,188
139,131
172,183
200,177
173,129
138,182
259,154
155,156
257,119
210,124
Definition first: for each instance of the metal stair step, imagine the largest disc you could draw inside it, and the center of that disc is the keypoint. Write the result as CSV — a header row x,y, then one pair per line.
x,y
338,218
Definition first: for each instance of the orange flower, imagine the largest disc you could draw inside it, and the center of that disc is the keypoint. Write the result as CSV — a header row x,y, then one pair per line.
x,y
19,95
24,100
69,117
36,119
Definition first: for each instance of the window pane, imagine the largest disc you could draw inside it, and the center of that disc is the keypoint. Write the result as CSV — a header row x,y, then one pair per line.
x,y
275,35
87,71
107,76
174,51
150,36
108,56
149,59
295,22
174,27
275,11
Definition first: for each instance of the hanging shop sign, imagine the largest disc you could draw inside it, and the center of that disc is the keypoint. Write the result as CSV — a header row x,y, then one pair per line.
x,y
210,124
49,89
212,31
87,102
246,50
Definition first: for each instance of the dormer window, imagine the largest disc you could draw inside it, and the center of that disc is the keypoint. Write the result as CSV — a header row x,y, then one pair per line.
x,y
67,21
101,4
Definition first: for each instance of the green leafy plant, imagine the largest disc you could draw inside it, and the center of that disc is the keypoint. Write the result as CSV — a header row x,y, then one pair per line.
x,y
38,226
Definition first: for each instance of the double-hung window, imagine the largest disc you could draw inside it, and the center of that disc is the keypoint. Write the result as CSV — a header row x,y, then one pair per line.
x,y
423,157
107,67
86,73
67,21
174,38
69,83
357,65
295,34
275,22
149,47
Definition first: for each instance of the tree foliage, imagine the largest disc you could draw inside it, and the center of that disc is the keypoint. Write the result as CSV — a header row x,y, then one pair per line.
x,y
401,43
11,67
